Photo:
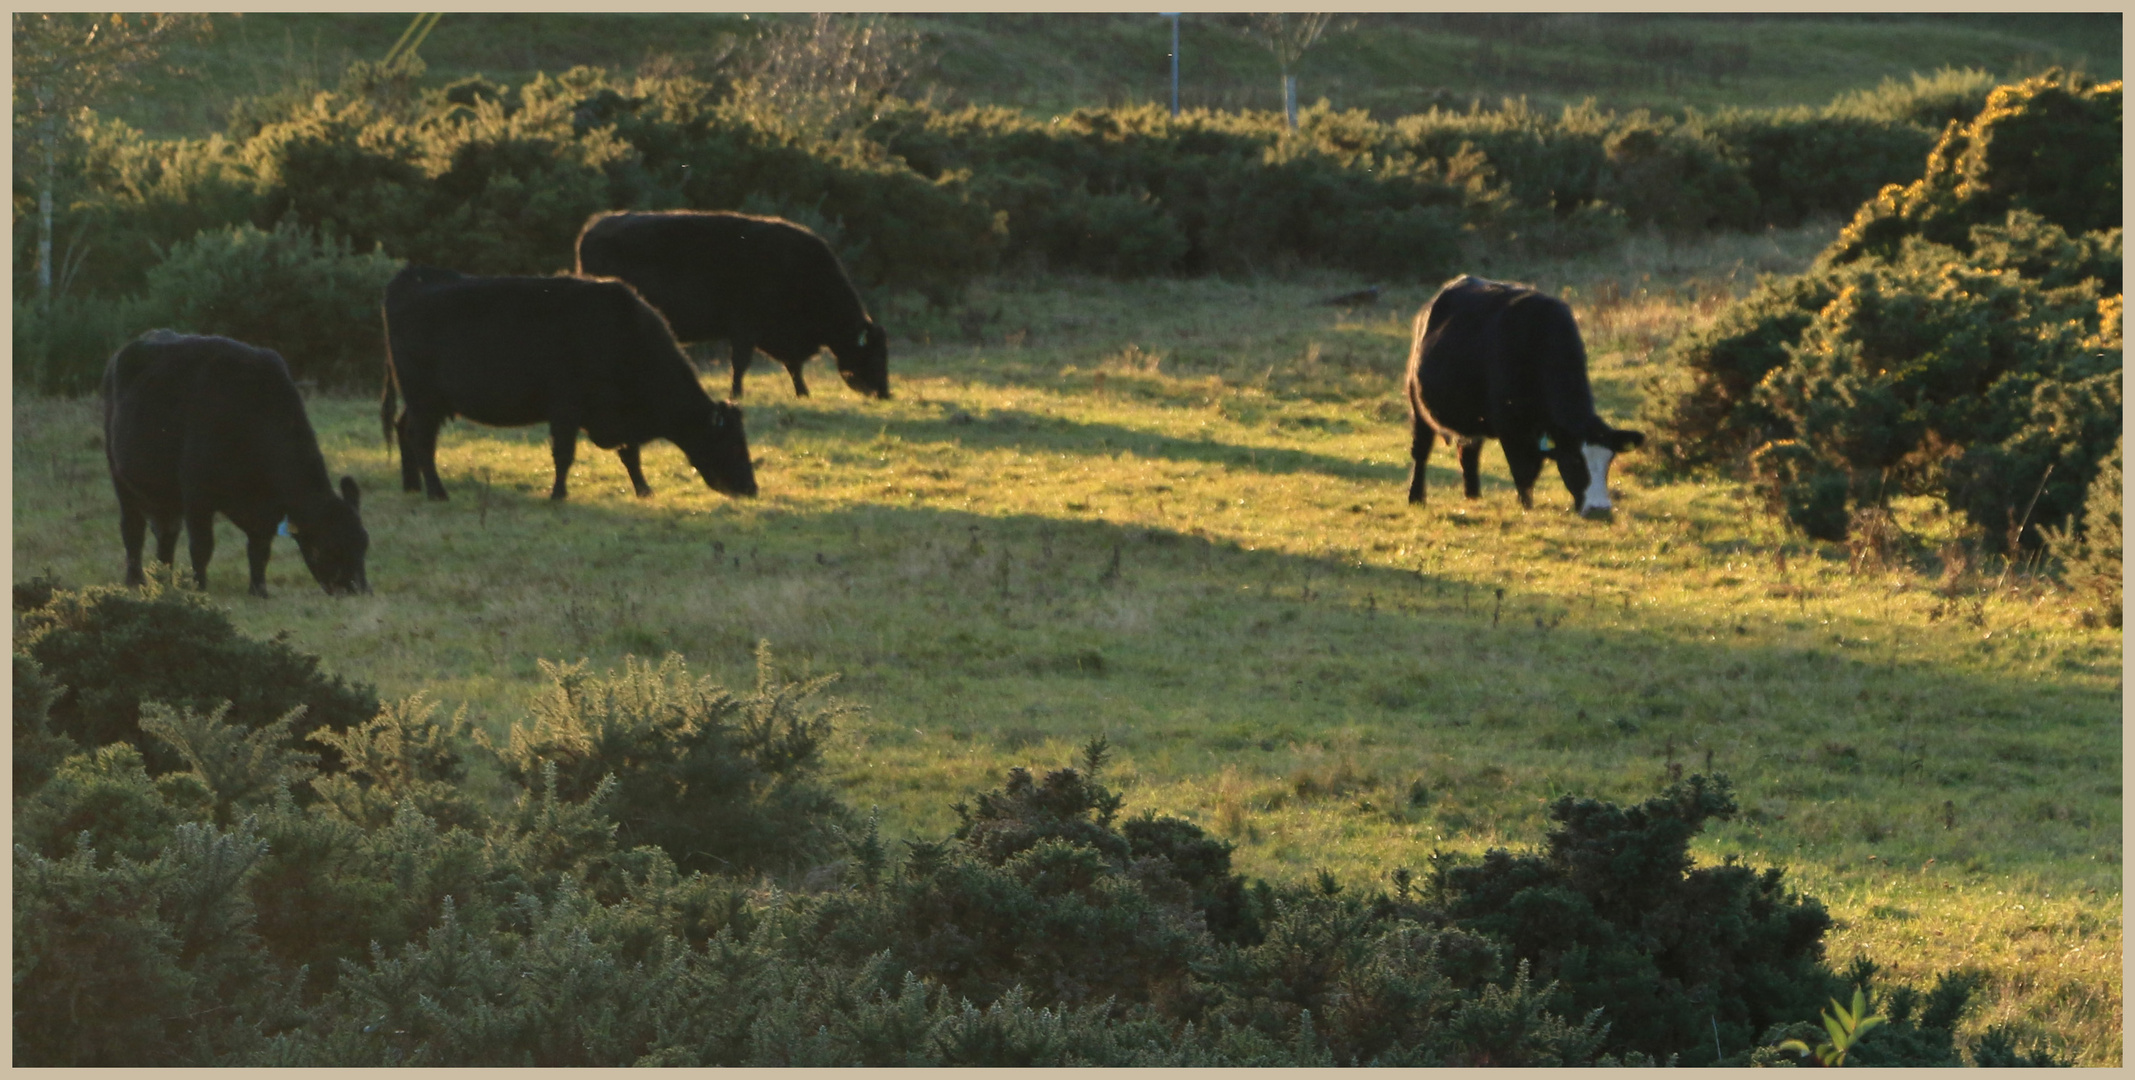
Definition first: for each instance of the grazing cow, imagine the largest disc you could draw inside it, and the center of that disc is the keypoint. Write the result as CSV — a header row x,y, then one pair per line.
x,y
195,426
574,352
759,282
1492,360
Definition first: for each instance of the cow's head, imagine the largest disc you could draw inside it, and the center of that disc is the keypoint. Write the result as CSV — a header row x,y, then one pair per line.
x,y
330,535
864,360
715,445
1585,465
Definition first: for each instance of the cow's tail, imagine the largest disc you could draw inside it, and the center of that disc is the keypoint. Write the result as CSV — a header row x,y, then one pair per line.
x,y
388,401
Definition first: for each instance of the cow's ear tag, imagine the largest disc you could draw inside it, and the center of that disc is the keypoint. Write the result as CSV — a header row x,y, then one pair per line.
x,y
862,342
1547,446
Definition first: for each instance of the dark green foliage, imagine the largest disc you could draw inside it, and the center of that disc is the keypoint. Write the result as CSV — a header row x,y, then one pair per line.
x,y
718,781
62,349
1040,889
306,297
1612,910
116,956
38,750
116,648
1996,1049
488,178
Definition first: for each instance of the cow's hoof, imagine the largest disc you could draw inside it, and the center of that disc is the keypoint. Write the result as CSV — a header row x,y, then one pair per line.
x,y
644,493
1598,513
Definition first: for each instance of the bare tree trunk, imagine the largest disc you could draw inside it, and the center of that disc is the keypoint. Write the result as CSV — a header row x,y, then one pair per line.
x,y
1289,100
44,217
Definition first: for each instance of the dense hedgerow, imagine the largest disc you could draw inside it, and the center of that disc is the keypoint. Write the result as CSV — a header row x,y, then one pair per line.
x,y
489,178
1961,338
201,912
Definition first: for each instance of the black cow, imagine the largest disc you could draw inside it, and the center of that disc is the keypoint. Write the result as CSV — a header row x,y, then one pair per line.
x,y
1493,360
195,426
573,352
759,282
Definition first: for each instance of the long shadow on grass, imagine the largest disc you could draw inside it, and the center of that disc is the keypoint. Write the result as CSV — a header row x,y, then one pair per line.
x,y
1178,636
1023,430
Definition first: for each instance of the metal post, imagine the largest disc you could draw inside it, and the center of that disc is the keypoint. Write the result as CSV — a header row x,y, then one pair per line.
x,y
1174,16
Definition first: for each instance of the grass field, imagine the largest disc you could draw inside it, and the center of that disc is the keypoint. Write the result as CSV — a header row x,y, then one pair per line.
x,y
1391,63
1172,512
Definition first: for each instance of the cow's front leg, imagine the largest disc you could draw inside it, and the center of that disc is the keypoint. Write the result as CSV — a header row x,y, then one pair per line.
x,y
167,527
743,350
800,388
1523,453
563,446
259,544
629,453
1471,467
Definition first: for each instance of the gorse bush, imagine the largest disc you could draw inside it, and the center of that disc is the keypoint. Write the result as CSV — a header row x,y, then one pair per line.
x,y
1961,338
1613,911
113,650
718,781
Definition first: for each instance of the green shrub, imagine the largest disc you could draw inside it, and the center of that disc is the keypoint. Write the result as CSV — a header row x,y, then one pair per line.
x,y
1612,909
308,298
2089,548
717,780
114,649
38,750
1960,338
116,958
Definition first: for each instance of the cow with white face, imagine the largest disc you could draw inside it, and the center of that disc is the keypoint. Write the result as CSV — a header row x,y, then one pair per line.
x,y
1491,360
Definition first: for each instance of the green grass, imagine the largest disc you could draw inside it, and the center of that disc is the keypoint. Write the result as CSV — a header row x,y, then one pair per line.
x,y
1172,512
1048,64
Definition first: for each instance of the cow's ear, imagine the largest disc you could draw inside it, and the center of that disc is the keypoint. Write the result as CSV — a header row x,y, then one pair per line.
x,y
350,494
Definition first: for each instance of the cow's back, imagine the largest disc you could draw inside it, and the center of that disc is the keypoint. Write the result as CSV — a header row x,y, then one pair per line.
x,y
1457,354
715,274
508,351
206,412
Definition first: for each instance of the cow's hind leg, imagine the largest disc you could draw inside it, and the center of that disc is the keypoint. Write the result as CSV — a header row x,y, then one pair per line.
x,y
1524,456
629,453
800,388
1471,467
133,530
563,446
411,473
1421,436
744,349
418,450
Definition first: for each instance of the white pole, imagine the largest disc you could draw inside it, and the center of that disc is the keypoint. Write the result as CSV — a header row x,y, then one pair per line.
x,y
1175,62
